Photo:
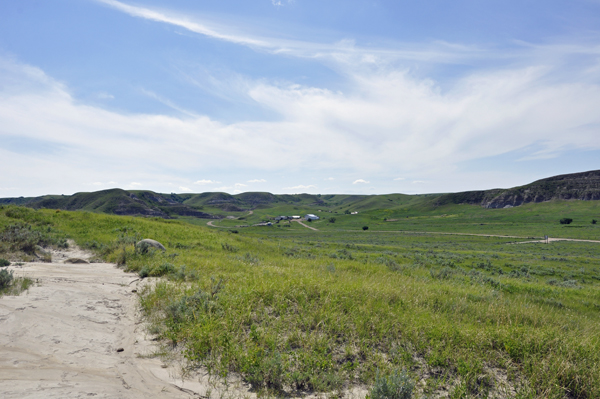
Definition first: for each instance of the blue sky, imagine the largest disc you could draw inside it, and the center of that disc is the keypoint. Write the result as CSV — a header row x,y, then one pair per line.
x,y
293,96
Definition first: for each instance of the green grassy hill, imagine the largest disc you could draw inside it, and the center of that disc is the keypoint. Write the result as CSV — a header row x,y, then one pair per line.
x,y
557,197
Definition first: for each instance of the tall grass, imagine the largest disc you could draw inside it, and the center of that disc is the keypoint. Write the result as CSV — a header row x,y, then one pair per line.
x,y
281,311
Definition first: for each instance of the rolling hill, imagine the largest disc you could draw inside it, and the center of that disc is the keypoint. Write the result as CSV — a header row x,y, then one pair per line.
x,y
583,186
214,205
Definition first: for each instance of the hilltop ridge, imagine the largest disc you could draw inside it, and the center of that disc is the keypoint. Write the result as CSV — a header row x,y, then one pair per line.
x,y
583,186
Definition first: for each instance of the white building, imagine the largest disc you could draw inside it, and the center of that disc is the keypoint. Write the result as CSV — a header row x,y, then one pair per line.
x,y
310,216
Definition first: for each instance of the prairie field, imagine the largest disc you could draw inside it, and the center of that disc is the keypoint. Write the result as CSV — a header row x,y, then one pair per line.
x,y
295,311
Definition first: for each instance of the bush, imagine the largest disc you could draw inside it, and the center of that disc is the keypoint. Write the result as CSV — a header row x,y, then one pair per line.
x,y
566,221
163,269
332,220
6,278
365,227
564,283
594,221
395,386
4,262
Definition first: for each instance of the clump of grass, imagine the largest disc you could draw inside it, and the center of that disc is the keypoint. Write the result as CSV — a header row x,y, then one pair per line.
x,y
442,274
10,285
4,262
228,247
162,269
564,283
398,385
6,278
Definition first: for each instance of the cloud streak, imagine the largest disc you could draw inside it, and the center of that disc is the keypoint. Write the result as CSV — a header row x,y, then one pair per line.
x,y
182,22
343,51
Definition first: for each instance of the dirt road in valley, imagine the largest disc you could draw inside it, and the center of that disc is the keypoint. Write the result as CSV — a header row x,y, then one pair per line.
x,y
77,333
303,224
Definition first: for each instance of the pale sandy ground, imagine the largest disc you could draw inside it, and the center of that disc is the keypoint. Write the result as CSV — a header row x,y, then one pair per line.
x,y
60,339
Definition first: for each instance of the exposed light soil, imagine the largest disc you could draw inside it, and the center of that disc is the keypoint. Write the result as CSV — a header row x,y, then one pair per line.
x,y
305,225
77,333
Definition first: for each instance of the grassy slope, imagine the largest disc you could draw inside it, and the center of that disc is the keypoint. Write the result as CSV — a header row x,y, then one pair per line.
x,y
418,214
321,310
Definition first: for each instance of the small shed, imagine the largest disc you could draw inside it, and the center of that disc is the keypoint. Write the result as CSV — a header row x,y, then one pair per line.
x,y
310,216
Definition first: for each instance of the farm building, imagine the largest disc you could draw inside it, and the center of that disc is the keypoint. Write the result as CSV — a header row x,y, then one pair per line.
x,y
310,216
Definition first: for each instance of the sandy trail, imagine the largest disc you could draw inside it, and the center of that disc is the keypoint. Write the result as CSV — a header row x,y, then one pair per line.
x,y
303,224
60,339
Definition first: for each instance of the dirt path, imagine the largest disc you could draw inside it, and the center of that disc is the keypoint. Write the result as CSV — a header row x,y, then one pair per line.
x,y
62,338
214,225
550,239
303,224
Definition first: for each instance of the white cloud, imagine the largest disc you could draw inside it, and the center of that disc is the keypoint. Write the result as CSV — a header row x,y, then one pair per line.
x,y
257,181
385,119
240,185
344,51
399,179
419,182
360,181
279,3
204,181
300,187
329,179
185,189
183,22
97,184
135,184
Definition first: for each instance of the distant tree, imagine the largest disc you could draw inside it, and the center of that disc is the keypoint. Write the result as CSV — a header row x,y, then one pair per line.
x,y
594,221
332,220
365,227
566,221
309,220
347,212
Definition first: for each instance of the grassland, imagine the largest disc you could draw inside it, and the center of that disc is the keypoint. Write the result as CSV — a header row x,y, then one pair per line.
x,y
420,215
295,311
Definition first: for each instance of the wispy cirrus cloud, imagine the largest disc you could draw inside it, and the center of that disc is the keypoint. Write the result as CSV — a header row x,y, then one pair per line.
x,y
343,51
183,22
360,181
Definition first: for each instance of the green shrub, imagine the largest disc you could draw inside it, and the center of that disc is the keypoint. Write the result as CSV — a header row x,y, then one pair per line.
x,y
442,274
228,248
4,262
162,270
332,220
6,278
564,284
144,272
398,385
566,221
365,228
594,221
